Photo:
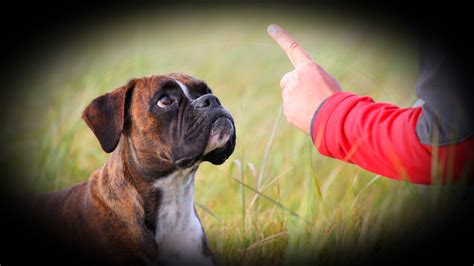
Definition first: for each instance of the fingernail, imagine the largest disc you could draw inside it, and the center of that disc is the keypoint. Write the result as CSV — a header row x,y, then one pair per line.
x,y
273,29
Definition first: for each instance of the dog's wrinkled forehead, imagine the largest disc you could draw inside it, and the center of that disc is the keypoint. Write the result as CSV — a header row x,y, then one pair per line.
x,y
191,88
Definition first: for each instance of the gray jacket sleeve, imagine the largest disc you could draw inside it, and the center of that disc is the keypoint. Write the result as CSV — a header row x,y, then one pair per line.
x,y
448,101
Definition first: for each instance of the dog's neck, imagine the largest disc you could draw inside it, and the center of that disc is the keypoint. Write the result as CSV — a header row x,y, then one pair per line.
x,y
167,208
123,182
179,233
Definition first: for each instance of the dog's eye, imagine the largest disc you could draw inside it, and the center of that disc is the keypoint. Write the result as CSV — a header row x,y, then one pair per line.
x,y
165,101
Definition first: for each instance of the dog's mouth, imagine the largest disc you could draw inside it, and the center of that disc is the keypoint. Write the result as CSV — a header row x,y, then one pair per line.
x,y
220,144
221,131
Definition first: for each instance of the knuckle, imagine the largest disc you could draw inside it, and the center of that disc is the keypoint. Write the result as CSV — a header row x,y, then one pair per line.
x,y
293,45
287,110
289,117
286,79
296,76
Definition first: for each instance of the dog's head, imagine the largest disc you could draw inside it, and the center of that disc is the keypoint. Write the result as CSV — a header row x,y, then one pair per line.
x,y
166,123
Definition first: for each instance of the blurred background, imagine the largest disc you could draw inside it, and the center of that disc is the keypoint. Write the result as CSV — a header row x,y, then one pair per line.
x,y
275,200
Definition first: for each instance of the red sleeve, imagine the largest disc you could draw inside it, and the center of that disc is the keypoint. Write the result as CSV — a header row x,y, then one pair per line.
x,y
381,138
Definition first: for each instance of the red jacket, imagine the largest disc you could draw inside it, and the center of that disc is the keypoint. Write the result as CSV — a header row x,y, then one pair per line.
x,y
382,138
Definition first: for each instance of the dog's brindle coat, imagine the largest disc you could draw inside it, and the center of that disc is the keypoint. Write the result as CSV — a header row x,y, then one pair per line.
x,y
138,208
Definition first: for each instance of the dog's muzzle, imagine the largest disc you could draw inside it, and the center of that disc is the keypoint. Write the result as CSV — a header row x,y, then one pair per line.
x,y
221,131
222,128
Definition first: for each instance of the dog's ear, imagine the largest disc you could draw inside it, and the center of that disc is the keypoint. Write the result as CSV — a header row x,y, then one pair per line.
x,y
105,116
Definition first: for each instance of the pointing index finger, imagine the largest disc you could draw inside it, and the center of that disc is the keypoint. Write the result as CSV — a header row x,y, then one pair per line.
x,y
294,51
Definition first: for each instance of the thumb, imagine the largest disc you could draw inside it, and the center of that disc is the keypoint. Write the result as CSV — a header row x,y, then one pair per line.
x,y
285,80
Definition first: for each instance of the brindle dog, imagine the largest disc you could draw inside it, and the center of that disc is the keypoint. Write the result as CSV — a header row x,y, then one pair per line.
x,y
138,207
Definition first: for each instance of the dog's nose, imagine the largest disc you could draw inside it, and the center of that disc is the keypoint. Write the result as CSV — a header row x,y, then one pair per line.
x,y
206,101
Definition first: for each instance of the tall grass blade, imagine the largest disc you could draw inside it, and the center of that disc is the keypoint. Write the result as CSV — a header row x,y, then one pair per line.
x,y
281,206
204,208
261,173
375,178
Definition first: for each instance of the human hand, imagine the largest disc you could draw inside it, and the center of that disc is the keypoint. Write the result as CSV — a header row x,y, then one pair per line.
x,y
304,88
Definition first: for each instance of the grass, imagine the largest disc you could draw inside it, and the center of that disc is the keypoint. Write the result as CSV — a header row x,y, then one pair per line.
x,y
276,198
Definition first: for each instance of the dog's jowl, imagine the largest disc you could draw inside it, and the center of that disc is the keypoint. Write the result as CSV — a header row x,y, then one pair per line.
x,y
138,208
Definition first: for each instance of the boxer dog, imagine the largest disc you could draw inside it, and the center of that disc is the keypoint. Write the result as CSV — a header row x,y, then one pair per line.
x,y
138,208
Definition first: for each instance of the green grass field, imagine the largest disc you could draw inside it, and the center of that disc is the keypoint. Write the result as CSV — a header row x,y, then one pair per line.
x,y
275,198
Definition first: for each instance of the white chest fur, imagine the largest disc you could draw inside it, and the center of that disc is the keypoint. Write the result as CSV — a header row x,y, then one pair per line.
x,y
178,232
